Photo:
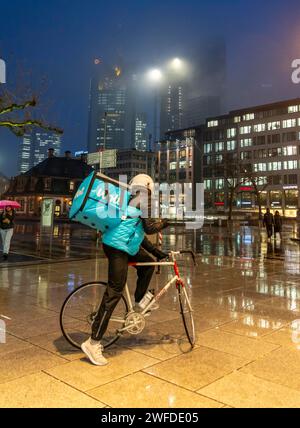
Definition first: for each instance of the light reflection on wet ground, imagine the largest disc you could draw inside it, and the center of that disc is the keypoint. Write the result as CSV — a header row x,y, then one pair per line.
x,y
74,241
246,297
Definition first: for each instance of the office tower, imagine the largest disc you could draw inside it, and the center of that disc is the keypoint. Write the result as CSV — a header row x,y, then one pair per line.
x,y
34,148
112,110
172,104
208,70
141,142
257,148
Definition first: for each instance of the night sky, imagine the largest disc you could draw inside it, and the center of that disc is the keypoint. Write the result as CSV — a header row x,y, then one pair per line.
x,y
58,41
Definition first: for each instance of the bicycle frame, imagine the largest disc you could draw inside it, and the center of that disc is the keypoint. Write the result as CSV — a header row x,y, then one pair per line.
x,y
175,280
127,319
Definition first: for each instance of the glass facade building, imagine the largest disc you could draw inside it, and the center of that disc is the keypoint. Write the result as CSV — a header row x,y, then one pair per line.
x,y
179,162
257,150
112,111
34,149
141,138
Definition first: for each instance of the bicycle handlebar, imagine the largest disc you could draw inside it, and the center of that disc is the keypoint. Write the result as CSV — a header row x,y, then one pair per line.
x,y
186,252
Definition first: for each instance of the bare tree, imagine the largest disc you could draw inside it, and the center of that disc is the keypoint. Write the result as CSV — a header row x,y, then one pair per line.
x,y
19,124
20,108
259,185
230,170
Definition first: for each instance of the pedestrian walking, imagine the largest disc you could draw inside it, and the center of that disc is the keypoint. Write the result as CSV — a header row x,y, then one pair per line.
x,y
269,222
277,225
6,229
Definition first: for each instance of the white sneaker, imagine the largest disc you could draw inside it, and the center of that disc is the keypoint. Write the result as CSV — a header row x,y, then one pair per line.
x,y
139,309
93,350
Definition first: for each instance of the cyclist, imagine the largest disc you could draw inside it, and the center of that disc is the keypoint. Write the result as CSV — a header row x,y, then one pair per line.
x,y
123,244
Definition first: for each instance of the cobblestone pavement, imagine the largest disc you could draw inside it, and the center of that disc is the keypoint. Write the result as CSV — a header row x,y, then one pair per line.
x,y
246,296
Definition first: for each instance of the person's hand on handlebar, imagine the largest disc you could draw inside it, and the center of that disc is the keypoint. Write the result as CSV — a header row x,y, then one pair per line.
x,y
160,255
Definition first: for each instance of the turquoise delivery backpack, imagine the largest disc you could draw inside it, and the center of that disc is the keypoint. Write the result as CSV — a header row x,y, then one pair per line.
x,y
101,202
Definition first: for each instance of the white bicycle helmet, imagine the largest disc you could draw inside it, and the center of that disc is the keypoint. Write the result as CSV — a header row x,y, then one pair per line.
x,y
143,180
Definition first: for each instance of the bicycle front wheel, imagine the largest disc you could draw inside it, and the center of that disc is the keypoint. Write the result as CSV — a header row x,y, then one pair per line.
x,y
79,310
186,312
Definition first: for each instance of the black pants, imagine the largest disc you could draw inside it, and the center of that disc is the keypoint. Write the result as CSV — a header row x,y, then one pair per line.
x,y
117,277
269,228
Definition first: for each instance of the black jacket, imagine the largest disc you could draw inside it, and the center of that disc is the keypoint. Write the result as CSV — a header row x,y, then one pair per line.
x,y
268,219
6,225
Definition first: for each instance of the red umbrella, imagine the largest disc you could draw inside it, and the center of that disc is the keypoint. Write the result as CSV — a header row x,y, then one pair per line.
x,y
12,204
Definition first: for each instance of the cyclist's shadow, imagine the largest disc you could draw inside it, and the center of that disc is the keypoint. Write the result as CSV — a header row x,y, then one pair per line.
x,y
168,342
64,348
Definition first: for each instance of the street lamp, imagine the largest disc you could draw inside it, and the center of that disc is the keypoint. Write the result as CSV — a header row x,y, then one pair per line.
x,y
155,75
176,64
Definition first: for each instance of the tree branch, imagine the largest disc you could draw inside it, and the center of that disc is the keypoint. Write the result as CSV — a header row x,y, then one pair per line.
x,y
20,126
13,107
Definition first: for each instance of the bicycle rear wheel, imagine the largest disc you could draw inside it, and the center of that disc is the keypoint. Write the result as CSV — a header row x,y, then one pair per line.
x,y
186,312
79,310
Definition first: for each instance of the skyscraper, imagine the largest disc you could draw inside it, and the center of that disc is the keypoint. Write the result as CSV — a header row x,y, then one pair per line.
x,y
173,95
112,111
34,148
141,140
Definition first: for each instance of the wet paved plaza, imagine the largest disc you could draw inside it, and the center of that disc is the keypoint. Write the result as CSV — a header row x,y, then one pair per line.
x,y
246,296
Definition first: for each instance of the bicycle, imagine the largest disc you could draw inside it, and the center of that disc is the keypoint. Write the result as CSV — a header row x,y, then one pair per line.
x,y
82,305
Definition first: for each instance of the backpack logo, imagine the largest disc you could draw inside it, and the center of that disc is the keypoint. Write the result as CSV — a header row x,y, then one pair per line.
x,y
79,193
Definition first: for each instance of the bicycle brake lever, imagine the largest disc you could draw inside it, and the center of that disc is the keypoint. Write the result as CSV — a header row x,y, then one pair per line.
x,y
191,253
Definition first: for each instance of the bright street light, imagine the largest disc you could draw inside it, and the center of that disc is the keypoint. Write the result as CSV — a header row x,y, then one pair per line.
x,y
176,63
155,75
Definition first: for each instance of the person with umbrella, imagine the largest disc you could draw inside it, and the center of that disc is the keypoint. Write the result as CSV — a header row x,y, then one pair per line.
x,y
7,225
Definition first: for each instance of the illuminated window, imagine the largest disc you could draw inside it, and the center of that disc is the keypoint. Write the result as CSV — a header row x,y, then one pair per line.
x,y
231,145
219,147
273,125
208,148
212,123
262,180
274,166
231,132
260,127
237,119
72,186
290,164
293,109
208,184
220,184
245,130
246,142
246,155
260,167
248,116
290,123
289,151
219,159
207,160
